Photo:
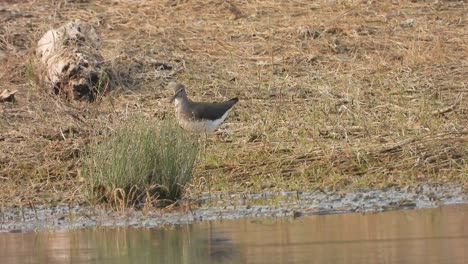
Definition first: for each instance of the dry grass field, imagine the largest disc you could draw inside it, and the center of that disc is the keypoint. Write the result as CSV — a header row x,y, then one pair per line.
x,y
334,94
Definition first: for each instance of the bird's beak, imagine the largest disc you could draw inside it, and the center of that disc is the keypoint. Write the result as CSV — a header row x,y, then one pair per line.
x,y
175,95
172,99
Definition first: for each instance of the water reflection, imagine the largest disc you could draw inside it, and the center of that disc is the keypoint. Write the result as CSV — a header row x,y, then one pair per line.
x,y
420,236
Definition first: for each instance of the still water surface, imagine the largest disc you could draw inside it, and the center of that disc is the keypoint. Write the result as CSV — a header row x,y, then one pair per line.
x,y
412,236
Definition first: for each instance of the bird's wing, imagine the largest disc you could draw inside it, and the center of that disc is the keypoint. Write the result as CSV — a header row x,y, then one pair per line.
x,y
211,111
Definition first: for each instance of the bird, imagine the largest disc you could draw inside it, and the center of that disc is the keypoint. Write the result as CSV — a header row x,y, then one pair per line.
x,y
199,117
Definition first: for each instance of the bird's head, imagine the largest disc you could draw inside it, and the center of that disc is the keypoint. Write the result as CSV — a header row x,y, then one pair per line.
x,y
179,90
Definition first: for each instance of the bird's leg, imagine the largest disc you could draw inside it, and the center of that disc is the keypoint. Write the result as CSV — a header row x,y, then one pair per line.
x,y
204,144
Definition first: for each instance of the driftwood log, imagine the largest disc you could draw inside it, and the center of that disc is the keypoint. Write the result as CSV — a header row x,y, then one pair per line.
x,y
72,62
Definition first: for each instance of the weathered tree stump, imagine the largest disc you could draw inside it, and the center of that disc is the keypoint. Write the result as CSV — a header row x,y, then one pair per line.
x,y
72,62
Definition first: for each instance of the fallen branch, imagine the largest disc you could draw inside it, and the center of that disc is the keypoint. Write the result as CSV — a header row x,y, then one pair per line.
x,y
8,96
448,108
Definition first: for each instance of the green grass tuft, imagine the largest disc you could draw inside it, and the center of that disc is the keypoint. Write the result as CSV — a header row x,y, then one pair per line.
x,y
140,162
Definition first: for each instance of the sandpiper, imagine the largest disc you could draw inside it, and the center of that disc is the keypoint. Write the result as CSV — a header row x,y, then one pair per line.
x,y
199,117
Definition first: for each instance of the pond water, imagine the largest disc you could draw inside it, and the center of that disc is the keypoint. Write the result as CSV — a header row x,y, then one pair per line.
x,y
437,235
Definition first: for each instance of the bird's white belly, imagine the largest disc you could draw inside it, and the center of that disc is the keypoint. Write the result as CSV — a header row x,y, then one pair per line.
x,y
202,126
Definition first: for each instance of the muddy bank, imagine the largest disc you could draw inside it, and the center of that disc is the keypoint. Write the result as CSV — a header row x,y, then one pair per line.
x,y
233,206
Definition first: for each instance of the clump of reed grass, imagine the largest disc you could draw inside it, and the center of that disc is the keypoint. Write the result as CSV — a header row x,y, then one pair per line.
x,y
140,162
